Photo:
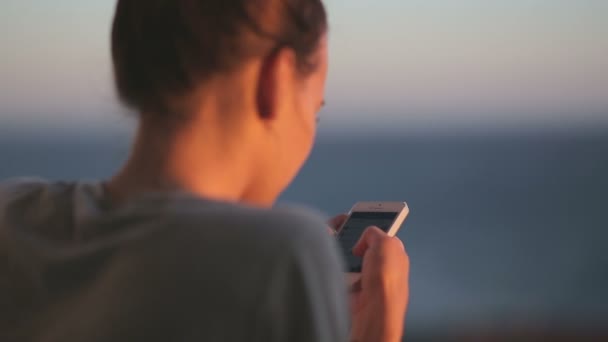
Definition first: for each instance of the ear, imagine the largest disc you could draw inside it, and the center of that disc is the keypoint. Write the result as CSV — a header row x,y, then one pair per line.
x,y
274,83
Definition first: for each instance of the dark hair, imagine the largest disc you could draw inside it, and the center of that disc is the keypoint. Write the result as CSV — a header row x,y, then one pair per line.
x,y
163,48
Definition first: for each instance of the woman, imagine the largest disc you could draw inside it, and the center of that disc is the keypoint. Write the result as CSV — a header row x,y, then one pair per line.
x,y
183,244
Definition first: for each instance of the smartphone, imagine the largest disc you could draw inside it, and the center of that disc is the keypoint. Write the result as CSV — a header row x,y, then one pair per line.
x,y
388,216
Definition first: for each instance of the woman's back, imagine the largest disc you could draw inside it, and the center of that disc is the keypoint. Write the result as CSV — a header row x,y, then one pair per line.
x,y
227,95
167,266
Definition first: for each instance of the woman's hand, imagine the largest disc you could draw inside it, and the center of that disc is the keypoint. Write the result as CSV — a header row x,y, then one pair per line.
x,y
379,300
336,223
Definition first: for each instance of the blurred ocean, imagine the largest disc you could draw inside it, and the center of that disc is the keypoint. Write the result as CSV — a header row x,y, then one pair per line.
x,y
506,231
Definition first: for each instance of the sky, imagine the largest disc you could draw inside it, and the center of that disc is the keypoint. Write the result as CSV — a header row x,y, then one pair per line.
x,y
394,63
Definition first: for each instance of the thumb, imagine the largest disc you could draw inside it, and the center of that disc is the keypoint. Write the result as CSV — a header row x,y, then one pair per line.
x,y
337,222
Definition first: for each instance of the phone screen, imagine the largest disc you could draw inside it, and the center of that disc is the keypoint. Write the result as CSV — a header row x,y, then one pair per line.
x,y
353,229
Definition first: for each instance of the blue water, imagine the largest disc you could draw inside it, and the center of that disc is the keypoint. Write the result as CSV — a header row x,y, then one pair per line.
x,y
504,230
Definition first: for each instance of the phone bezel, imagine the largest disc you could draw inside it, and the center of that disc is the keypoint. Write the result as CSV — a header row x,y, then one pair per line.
x,y
382,207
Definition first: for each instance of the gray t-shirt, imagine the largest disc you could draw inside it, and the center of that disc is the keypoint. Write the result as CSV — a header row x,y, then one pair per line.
x,y
164,267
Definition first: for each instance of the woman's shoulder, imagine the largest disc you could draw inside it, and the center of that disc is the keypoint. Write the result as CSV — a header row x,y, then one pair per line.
x,y
226,232
284,224
256,232
294,235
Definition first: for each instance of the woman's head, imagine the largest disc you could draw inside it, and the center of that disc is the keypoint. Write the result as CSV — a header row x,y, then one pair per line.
x,y
253,71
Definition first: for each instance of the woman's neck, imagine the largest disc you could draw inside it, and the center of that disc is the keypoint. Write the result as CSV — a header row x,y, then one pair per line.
x,y
199,162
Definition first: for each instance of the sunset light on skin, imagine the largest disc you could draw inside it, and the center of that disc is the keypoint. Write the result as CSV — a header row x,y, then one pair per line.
x,y
416,61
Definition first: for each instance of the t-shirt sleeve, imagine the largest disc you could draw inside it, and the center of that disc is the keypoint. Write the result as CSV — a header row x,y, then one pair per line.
x,y
306,297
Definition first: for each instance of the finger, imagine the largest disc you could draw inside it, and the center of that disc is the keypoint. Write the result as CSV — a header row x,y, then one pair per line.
x,y
399,243
354,296
337,222
370,237
355,287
